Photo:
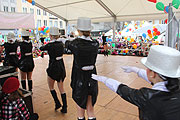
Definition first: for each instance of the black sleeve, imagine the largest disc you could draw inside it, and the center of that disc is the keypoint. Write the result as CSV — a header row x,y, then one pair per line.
x,y
70,45
44,47
137,97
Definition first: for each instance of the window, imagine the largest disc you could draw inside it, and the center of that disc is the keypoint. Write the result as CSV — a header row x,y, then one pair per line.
x,y
61,24
24,10
13,9
31,10
44,13
55,23
45,22
12,1
24,1
38,12
50,23
5,8
39,23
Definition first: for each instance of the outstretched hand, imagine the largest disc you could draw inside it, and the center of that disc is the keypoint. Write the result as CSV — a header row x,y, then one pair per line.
x,y
129,69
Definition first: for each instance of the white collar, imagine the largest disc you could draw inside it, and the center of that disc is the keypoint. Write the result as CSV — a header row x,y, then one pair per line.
x,y
85,38
11,42
27,41
160,86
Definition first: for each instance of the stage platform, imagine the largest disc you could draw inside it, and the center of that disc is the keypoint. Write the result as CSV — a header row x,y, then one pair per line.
x,y
109,105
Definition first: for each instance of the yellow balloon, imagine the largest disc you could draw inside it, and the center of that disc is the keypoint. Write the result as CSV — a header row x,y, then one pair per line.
x,y
39,29
132,39
126,51
125,38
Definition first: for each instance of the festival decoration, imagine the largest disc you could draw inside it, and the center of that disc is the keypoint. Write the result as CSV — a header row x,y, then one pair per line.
x,y
176,3
160,6
144,35
166,21
154,1
166,9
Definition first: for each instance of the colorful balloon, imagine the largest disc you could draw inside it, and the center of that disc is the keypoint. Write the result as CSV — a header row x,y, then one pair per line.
x,y
166,21
158,33
33,3
160,6
154,33
39,29
166,9
47,31
156,37
30,1
29,30
176,3
144,35
149,31
134,46
155,29
154,1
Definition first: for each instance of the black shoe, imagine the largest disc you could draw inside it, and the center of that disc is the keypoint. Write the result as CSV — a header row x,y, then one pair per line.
x,y
82,118
64,100
92,119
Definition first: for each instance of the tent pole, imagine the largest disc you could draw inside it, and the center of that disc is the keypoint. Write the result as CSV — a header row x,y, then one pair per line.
x,y
67,24
170,17
114,28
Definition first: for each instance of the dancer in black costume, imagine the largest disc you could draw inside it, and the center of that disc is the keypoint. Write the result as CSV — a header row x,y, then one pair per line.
x,y
26,62
84,49
11,58
162,101
56,70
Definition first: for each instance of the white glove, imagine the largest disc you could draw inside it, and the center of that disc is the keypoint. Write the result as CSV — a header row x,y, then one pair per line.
x,y
140,72
110,83
129,69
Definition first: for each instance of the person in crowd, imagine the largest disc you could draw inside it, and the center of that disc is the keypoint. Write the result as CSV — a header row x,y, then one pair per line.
x,y
11,58
84,89
26,62
56,70
162,101
105,45
42,43
12,105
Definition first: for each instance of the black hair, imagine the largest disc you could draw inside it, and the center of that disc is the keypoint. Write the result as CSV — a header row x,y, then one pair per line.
x,y
173,84
25,37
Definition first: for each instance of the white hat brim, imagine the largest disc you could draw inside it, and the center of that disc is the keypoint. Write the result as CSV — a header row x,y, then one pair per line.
x,y
84,29
153,68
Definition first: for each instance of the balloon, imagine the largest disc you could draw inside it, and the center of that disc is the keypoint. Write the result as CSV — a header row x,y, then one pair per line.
x,y
134,46
166,21
154,33
29,30
155,29
156,37
130,29
33,3
160,6
126,51
158,33
129,39
176,3
30,1
39,29
149,31
42,29
132,39
166,9
154,1
113,44
47,31
144,35
47,28
125,38
32,31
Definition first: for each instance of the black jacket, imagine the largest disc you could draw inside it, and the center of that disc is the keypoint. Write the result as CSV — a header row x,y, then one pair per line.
x,y
26,63
11,60
152,104
56,69
85,53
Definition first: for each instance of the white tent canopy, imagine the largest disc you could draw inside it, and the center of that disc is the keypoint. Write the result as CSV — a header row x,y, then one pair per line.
x,y
104,10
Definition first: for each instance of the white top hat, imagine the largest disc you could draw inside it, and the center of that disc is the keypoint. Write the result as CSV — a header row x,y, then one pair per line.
x,y
163,60
11,36
84,24
25,33
54,31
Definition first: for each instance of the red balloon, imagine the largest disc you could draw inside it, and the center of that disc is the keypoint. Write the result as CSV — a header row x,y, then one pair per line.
x,y
166,21
154,1
44,26
130,29
158,33
29,30
149,31
42,29
155,29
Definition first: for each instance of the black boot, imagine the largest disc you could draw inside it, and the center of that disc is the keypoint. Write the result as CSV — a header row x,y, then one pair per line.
x,y
91,118
56,100
30,85
23,83
64,100
81,118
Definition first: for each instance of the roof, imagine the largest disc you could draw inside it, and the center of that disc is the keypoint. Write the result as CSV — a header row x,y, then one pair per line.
x,y
104,10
